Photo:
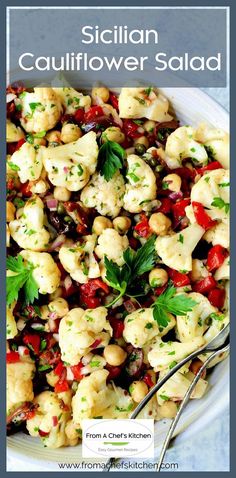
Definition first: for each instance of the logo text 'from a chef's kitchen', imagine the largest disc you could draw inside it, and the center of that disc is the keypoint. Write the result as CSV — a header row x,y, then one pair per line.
x,y
120,438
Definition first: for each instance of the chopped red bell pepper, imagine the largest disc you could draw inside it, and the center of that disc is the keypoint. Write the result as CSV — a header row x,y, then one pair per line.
x,y
202,217
178,209
91,287
166,206
131,129
76,370
159,290
20,142
117,327
25,189
61,386
216,257
13,357
59,368
217,297
204,286
148,380
43,434
33,341
93,114
142,227
79,115
178,279
90,302
114,101
209,167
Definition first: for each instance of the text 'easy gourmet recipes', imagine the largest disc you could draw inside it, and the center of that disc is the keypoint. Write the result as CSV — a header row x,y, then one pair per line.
x,y
118,255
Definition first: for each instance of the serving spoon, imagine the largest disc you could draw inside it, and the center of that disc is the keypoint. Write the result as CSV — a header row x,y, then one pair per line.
x,y
213,346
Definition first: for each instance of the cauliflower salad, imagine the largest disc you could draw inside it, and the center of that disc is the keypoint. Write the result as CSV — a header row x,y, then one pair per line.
x,y
117,255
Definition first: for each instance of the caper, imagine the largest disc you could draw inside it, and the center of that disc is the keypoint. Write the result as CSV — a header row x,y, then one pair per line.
x,y
60,208
140,149
67,219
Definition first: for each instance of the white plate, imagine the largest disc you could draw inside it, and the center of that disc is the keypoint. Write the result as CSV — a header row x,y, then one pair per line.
x,y
192,106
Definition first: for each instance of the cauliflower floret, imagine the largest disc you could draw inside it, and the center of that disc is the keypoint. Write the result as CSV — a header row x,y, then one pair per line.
x,y
177,385
141,187
223,271
219,321
112,245
105,196
193,323
140,327
73,433
143,103
14,133
180,145
50,420
78,331
70,165
79,260
94,398
72,99
46,273
41,110
216,140
212,191
218,234
176,250
28,162
11,323
28,231
162,354
19,383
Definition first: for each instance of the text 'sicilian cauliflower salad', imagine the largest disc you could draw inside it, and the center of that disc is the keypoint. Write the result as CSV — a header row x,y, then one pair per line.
x,y
118,255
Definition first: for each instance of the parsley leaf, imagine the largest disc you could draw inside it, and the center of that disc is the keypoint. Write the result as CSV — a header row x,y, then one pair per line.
x,y
136,264
110,159
221,204
21,279
168,302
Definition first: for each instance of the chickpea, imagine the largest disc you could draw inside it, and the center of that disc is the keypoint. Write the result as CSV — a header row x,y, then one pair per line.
x,y
113,133
122,224
158,277
62,194
138,390
168,409
58,293
173,181
59,306
100,223
70,132
142,140
10,213
149,126
100,92
52,378
53,137
44,311
159,223
114,355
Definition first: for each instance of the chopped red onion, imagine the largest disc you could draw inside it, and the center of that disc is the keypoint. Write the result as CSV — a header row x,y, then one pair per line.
x,y
175,195
68,282
69,374
52,204
58,242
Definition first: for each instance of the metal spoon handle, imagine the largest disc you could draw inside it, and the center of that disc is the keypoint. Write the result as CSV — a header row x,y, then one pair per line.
x,y
184,403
